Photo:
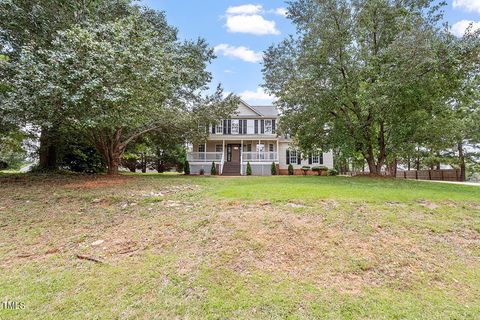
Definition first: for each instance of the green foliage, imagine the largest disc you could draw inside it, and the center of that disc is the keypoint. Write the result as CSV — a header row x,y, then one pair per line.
x,y
305,169
290,169
186,167
12,152
78,155
249,169
116,81
213,169
347,81
332,172
273,169
319,169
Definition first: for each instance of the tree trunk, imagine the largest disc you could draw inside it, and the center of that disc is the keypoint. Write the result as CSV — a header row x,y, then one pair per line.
x,y
392,168
461,158
111,148
48,152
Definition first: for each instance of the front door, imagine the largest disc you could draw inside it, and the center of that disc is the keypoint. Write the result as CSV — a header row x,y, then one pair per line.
x,y
233,153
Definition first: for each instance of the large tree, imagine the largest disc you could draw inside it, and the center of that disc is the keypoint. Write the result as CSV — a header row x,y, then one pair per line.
x,y
35,23
115,81
362,75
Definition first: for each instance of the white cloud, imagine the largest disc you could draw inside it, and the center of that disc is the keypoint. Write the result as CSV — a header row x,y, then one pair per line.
x,y
245,9
228,71
254,24
459,28
258,95
239,52
469,5
281,12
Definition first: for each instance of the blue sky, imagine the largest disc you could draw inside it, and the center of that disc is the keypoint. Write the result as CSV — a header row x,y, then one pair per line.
x,y
241,30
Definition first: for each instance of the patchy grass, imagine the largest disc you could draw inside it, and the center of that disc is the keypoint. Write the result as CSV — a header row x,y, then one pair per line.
x,y
171,246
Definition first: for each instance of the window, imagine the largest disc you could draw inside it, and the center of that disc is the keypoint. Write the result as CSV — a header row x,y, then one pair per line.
x,y
218,148
261,150
270,147
268,127
247,147
235,127
293,156
317,158
201,148
219,127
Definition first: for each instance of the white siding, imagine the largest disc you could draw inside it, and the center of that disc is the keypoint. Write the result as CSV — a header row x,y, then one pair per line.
x,y
243,110
327,158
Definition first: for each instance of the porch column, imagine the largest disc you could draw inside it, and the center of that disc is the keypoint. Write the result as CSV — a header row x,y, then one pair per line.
x,y
278,155
205,152
241,157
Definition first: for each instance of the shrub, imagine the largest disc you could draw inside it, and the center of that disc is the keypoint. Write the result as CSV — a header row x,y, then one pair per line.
x,y
332,172
249,169
213,170
305,170
201,172
186,167
273,169
320,169
290,170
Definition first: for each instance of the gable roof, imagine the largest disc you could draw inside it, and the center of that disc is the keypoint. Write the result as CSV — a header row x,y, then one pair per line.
x,y
250,107
262,111
266,111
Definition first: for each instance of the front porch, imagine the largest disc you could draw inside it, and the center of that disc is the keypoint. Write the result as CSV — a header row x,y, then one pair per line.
x,y
232,156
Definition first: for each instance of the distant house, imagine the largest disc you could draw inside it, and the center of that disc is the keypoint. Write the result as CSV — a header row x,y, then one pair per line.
x,y
250,136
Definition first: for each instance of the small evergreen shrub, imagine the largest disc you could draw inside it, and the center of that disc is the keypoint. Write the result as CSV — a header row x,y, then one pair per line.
x,y
290,170
332,172
213,170
186,167
273,169
249,169
320,169
305,170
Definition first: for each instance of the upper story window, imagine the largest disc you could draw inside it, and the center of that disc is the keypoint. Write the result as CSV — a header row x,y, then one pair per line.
x,y
219,128
245,126
235,127
268,127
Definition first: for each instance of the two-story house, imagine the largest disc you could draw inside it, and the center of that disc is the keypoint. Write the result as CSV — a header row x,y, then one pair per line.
x,y
250,136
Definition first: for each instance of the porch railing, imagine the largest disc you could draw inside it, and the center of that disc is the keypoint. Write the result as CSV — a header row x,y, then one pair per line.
x,y
259,156
204,156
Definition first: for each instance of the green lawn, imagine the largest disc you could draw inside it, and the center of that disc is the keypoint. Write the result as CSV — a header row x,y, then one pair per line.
x,y
284,247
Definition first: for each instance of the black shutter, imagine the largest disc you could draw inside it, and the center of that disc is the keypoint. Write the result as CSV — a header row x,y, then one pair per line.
x,y
213,128
229,126
240,126
262,126
288,156
299,158
256,126
320,160
244,126
224,126
273,126
309,159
